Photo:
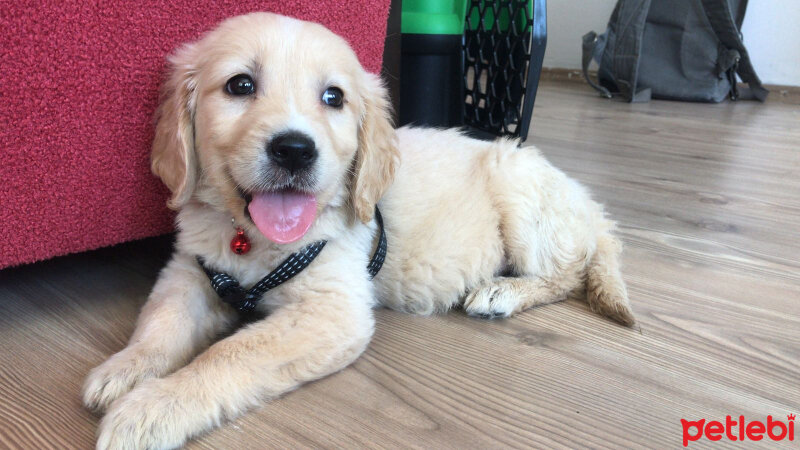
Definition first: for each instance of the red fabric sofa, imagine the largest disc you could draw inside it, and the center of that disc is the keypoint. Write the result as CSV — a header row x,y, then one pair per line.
x,y
78,87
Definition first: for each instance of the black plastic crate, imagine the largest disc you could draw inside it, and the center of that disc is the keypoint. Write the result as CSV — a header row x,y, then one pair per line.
x,y
503,48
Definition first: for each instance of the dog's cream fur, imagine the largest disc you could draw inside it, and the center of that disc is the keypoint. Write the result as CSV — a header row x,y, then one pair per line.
x,y
489,226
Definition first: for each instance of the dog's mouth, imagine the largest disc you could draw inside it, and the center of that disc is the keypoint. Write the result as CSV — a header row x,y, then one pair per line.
x,y
282,215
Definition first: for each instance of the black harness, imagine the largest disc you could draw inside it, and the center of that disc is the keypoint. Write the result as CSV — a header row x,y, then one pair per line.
x,y
245,301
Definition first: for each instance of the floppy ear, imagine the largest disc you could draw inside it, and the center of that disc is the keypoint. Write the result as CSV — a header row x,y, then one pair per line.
x,y
377,156
173,156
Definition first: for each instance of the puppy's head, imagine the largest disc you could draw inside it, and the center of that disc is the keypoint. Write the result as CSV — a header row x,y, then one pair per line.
x,y
271,120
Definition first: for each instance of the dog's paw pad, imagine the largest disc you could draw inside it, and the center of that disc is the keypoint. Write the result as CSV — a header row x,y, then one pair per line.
x,y
491,302
489,316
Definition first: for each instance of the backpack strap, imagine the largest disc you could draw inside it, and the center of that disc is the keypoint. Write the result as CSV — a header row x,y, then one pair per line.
x,y
593,46
721,19
620,60
630,18
740,14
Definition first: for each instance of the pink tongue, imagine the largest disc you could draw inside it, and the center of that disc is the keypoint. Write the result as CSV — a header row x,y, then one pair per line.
x,y
283,216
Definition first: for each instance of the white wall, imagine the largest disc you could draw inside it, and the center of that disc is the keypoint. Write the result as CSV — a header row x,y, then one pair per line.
x,y
771,32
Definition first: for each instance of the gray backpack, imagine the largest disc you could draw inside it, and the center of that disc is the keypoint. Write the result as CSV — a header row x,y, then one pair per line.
x,y
673,49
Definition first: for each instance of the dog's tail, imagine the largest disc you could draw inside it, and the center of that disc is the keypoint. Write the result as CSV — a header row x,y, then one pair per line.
x,y
605,289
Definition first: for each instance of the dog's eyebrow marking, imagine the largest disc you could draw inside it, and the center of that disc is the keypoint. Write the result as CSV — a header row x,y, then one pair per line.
x,y
255,66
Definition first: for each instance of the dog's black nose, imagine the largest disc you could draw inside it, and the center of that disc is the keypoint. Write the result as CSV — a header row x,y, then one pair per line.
x,y
292,151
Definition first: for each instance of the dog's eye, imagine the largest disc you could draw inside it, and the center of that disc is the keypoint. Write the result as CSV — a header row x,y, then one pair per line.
x,y
333,97
240,85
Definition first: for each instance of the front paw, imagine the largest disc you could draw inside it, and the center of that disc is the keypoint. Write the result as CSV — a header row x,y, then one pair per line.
x,y
115,377
148,417
491,301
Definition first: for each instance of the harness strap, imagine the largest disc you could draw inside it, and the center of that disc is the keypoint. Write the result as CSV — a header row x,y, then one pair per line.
x,y
245,300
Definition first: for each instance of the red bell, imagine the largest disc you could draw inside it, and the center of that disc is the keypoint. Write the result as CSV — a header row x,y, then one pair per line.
x,y
240,244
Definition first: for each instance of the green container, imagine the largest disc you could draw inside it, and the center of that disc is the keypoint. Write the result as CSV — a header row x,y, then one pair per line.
x,y
431,90
448,17
433,16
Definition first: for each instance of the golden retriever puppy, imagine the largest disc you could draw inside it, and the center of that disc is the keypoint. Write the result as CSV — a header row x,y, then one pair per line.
x,y
269,127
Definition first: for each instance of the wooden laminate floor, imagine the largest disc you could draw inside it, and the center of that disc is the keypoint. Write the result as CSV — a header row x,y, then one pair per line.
x,y
708,201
